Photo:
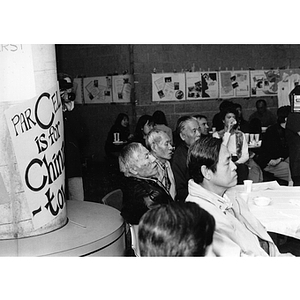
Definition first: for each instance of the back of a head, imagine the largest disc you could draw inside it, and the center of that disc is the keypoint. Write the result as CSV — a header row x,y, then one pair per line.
x,y
159,117
282,113
176,229
154,137
203,152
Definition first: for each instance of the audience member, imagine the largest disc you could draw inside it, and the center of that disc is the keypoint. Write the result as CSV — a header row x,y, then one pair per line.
x,y
262,113
217,121
159,144
176,136
293,139
177,229
203,125
141,190
235,142
243,125
237,232
118,136
274,154
160,122
74,139
188,130
144,125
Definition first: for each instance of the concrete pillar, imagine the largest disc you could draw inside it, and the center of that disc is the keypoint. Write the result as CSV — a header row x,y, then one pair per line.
x,y
27,71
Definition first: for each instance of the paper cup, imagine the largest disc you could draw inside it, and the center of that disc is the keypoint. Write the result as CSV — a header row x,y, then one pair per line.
x,y
248,186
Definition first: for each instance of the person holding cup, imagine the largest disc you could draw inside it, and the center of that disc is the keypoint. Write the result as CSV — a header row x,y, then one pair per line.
x,y
236,143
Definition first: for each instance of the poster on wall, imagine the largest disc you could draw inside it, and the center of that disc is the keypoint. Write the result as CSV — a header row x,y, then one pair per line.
x,y
201,85
168,87
122,86
234,84
264,82
36,130
289,78
95,90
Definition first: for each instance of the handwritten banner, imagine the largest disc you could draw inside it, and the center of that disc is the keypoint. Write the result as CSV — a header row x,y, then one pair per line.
x,y
36,130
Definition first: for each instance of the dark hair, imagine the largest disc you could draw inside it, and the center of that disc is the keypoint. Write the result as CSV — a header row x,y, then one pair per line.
x,y
200,117
261,101
282,113
138,134
175,229
159,117
227,110
203,152
120,118
224,104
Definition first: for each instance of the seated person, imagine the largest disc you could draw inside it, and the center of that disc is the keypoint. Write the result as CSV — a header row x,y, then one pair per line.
x,y
160,146
188,130
119,132
237,232
217,121
243,125
144,125
203,125
262,113
177,229
274,152
160,122
141,190
235,142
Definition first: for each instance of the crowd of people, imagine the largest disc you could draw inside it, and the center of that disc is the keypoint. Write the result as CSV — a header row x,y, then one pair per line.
x,y
174,183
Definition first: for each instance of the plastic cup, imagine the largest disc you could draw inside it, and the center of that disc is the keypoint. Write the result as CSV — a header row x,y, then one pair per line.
x,y
248,186
251,137
256,137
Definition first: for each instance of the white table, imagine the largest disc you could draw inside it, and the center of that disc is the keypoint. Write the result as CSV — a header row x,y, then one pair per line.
x,y
282,215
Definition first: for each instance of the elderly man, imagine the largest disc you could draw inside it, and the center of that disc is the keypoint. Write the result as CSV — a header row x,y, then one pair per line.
x,y
141,190
160,146
188,130
238,232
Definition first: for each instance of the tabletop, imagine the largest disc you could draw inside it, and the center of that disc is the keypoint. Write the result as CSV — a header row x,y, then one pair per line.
x,y
282,215
92,229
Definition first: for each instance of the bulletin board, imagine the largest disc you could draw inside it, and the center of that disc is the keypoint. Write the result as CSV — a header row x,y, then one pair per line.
x,y
95,90
202,85
264,82
122,86
234,84
168,87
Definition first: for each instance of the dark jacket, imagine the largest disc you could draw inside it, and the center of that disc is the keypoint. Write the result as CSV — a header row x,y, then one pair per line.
x,y
140,195
274,145
111,149
293,140
181,172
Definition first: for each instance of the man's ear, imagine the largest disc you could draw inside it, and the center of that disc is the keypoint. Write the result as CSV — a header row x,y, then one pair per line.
x,y
182,135
133,170
206,172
